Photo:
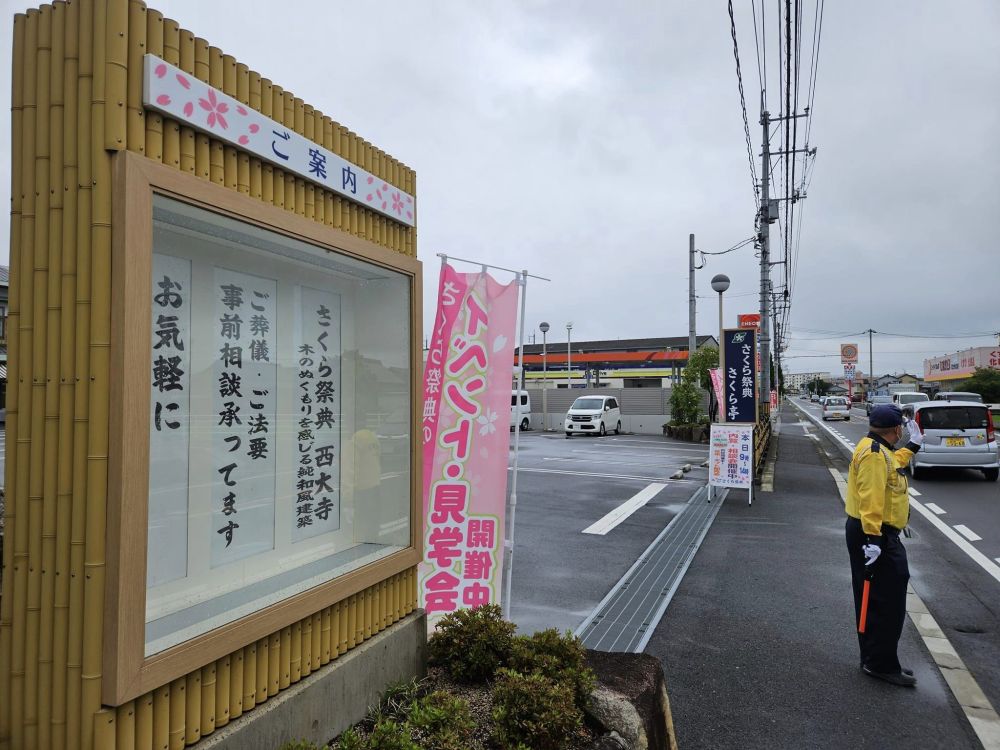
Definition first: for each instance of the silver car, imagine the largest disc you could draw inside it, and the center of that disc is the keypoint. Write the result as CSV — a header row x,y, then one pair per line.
x,y
956,434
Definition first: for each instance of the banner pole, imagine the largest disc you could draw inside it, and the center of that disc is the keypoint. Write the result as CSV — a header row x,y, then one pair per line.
x,y
508,557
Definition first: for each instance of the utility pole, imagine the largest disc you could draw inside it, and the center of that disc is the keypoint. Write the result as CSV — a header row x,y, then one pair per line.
x,y
871,367
765,264
692,336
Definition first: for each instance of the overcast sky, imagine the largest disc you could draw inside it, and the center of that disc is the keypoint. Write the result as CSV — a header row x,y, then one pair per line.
x,y
584,141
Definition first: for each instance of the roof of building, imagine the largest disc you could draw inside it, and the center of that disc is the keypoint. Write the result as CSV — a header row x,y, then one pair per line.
x,y
622,345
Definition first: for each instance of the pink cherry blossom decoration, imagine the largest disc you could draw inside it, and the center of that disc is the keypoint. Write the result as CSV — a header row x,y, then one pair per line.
x,y
370,179
188,109
163,100
254,127
241,110
244,140
183,81
161,70
215,109
368,197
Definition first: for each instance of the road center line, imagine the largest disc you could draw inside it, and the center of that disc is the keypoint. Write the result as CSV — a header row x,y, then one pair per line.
x,y
968,533
935,509
623,511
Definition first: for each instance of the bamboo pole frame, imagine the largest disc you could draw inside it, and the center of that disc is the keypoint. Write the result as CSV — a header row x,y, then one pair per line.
x,y
81,396
64,485
76,95
53,297
15,516
36,366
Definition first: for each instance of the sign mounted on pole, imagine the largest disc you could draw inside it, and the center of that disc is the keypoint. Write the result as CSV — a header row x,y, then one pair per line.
x,y
848,353
740,375
749,320
183,97
849,371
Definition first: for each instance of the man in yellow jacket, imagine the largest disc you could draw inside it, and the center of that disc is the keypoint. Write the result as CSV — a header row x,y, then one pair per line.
x,y
878,507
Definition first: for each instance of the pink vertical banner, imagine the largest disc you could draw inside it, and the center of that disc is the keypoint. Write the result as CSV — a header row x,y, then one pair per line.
x,y
716,375
467,386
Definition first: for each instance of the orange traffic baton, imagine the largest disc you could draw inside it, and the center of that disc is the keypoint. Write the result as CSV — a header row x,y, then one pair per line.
x,y
863,620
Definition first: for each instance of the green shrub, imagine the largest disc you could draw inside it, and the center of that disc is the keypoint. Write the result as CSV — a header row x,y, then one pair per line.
x,y
535,711
443,721
350,740
391,735
395,703
560,657
472,644
685,403
301,745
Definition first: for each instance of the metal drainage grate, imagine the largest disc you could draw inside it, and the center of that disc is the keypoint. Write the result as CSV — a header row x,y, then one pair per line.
x,y
628,615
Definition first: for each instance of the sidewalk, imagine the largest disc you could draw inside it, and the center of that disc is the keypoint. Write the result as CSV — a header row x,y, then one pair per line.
x,y
758,644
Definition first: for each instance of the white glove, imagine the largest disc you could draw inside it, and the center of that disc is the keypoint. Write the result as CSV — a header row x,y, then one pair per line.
x,y
916,436
872,551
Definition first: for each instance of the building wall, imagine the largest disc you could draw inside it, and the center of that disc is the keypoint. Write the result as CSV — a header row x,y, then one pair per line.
x,y
76,100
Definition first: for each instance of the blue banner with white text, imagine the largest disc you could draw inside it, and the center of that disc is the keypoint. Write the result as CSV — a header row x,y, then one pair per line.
x,y
740,377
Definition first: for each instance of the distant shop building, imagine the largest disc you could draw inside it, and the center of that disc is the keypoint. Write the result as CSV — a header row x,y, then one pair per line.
x,y
961,365
616,363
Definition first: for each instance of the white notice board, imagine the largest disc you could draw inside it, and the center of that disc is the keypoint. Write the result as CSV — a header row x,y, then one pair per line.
x,y
730,455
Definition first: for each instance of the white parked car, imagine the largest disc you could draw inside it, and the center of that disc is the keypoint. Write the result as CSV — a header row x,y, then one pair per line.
x,y
593,415
520,409
836,407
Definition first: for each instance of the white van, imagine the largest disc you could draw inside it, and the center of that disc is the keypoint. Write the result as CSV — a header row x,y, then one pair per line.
x,y
594,414
520,412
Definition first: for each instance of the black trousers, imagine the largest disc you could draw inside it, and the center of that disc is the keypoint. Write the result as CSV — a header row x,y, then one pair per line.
x,y
886,596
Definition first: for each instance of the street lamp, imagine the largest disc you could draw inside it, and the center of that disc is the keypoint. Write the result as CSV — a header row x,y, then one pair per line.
x,y
544,328
569,355
720,283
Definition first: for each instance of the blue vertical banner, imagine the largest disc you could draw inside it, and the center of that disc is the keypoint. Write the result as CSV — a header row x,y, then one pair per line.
x,y
739,346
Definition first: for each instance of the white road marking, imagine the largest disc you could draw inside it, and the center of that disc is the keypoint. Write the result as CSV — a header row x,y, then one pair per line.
x,y
968,533
975,705
623,511
935,509
603,476
914,493
963,544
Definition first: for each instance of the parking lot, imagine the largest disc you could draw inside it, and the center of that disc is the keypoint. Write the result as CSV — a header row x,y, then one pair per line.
x,y
587,509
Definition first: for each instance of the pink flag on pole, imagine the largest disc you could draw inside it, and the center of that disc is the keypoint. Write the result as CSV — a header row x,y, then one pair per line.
x,y
467,385
716,375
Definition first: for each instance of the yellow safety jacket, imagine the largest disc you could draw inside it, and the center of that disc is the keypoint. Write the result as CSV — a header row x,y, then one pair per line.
x,y
877,490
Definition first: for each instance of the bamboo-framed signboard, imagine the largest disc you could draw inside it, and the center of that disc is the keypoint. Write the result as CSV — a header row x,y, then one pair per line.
x,y
263,407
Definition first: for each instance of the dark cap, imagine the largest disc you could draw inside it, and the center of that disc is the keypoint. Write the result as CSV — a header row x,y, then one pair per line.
x,y
886,415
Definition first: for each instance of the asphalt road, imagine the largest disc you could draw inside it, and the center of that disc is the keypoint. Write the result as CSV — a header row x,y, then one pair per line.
x,y
965,498
565,486
963,595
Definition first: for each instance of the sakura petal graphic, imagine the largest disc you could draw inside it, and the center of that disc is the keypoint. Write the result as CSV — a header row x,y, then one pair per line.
x,y
182,97
499,343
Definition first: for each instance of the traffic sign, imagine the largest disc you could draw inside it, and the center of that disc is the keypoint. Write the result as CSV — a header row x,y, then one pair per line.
x,y
849,371
848,353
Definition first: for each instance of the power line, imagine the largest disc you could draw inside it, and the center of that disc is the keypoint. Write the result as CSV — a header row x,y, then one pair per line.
x,y
743,105
737,246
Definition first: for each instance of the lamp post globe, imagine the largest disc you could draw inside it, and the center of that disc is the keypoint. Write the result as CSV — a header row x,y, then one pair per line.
x,y
544,328
720,282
